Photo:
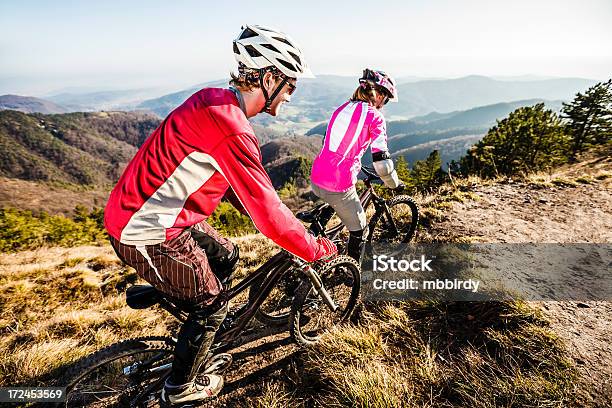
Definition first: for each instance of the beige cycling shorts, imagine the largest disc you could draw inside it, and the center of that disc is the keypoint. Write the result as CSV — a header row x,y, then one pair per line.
x,y
346,204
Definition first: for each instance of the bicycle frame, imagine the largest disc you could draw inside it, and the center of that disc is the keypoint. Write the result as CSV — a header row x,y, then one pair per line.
x,y
366,197
271,271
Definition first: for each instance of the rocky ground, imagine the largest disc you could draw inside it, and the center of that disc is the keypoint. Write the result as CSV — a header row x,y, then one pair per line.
x,y
572,205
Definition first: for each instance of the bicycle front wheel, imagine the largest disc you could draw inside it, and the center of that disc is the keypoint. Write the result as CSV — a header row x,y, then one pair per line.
x,y
310,315
276,308
397,225
127,373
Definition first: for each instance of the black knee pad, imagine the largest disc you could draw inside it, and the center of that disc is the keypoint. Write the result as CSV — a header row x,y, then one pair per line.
x,y
224,268
355,243
233,258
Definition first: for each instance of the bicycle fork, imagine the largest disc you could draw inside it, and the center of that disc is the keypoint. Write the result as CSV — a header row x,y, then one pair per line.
x,y
317,284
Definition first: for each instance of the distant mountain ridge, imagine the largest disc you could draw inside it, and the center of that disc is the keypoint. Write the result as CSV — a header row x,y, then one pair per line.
x,y
29,104
315,99
472,91
102,100
478,117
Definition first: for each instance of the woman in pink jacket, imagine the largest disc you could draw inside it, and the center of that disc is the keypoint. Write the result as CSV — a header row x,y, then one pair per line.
x,y
354,126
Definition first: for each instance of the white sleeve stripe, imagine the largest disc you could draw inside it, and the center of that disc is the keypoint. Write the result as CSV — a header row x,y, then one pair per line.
x,y
358,129
340,126
148,225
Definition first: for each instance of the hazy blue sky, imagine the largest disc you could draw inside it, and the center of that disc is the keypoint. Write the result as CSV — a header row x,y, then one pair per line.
x,y
49,45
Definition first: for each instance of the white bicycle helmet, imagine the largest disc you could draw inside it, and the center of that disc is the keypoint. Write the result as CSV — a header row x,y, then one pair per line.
x,y
259,47
381,79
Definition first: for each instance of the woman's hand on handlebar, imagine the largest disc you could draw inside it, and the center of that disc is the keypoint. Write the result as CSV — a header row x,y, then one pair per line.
x,y
399,189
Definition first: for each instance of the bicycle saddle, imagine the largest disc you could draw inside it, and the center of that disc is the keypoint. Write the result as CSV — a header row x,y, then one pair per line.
x,y
311,215
142,296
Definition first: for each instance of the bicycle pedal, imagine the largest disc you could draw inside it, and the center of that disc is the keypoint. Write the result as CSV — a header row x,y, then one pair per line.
x,y
218,363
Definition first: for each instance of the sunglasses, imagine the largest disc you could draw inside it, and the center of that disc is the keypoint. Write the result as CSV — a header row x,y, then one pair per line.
x,y
291,87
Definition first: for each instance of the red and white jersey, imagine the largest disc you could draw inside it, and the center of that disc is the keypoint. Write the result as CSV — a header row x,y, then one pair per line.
x,y
184,169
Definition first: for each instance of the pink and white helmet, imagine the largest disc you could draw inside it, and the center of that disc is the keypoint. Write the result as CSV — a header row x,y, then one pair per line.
x,y
380,78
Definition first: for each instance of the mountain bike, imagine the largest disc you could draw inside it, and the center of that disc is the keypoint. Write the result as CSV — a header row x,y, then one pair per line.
x,y
392,222
132,372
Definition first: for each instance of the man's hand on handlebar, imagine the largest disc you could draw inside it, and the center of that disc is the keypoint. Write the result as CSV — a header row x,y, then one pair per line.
x,y
327,249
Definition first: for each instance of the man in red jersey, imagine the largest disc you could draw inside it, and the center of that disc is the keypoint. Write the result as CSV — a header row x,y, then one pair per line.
x,y
203,151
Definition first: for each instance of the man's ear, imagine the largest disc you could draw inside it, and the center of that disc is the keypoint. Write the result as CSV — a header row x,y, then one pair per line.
x,y
268,80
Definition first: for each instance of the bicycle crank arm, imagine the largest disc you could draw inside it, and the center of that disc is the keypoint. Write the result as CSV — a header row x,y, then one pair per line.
x,y
317,284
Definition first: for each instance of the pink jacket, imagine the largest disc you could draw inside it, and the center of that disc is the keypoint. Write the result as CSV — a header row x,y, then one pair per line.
x,y
353,127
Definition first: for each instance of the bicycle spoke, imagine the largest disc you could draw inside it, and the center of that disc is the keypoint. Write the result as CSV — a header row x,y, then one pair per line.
x,y
115,384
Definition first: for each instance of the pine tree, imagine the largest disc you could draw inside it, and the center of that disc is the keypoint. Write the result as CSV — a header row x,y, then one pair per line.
x,y
403,172
428,173
589,116
529,139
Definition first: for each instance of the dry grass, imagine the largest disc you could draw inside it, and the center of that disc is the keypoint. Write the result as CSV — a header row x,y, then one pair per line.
x,y
434,207
274,395
60,304
592,167
56,309
254,250
424,354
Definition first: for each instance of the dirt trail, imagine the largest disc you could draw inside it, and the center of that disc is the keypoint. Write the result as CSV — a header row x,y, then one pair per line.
x,y
509,212
571,213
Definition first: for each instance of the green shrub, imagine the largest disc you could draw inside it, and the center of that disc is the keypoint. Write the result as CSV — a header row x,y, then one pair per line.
x,y
22,230
228,220
530,139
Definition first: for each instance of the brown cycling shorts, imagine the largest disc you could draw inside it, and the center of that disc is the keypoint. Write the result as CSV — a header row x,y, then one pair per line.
x,y
182,267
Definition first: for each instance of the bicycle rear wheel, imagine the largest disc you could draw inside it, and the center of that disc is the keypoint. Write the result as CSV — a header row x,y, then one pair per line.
x,y
128,373
310,315
398,225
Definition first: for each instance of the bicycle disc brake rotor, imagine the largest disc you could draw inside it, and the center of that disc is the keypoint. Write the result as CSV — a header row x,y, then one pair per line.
x,y
218,363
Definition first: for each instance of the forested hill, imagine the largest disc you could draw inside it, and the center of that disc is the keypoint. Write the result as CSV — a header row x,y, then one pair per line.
x,y
93,148
289,159
75,148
